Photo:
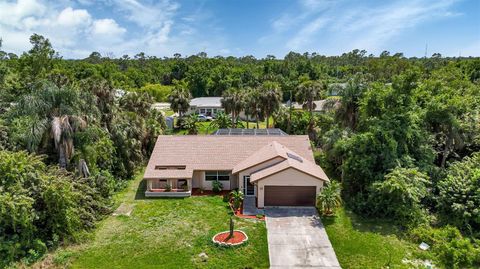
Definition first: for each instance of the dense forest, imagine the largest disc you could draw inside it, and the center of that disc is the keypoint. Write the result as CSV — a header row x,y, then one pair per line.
x,y
401,135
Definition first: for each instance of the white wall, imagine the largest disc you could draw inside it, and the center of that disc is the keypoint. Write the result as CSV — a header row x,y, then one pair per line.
x,y
288,177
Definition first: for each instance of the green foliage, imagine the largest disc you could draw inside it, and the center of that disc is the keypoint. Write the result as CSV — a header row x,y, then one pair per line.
x,y
400,195
448,246
190,124
159,92
459,194
221,121
217,186
237,197
40,206
329,198
179,98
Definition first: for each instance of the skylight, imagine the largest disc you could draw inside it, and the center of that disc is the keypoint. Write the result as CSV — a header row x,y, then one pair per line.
x,y
295,157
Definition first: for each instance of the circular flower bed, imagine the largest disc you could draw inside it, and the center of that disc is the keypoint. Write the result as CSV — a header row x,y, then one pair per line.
x,y
223,239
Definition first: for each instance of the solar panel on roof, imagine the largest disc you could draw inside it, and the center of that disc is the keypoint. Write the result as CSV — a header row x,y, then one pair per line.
x,y
252,132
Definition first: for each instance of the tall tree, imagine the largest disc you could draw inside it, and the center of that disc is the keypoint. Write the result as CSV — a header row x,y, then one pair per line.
x,y
179,98
307,93
233,103
271,98
54,113
253,105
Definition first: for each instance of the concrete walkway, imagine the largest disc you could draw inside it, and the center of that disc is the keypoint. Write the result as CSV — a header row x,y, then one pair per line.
x,y
297,239
249,207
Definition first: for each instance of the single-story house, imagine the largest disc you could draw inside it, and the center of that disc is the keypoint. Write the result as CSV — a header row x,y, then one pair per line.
x,y
278,170
208,106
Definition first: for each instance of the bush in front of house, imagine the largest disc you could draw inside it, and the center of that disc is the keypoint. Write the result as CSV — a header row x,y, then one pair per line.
x,y
329,198
217,186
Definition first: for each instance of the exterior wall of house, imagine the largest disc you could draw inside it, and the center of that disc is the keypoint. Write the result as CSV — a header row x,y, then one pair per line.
x,y
197,178
250,170
288,177
200,182
197,110
151,184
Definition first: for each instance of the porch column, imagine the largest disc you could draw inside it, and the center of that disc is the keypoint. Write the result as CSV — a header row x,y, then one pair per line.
x,y
189,182
149,184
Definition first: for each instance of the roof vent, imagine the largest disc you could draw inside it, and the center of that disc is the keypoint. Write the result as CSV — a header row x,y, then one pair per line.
x,y
295,157
170,167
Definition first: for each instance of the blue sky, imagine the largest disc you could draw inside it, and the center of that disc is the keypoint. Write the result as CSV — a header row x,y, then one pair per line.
x,y
243,27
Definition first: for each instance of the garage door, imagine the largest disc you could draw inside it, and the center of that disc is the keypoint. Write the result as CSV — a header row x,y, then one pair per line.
x,y
290,195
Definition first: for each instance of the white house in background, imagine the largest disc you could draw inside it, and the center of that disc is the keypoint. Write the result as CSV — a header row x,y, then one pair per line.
x,y
208,106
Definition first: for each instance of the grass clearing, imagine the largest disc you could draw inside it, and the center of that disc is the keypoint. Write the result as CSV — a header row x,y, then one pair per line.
x,y
167,233
367,243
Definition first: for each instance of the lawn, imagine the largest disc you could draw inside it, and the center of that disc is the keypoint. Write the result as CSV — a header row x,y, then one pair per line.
x,y
167,233
363,243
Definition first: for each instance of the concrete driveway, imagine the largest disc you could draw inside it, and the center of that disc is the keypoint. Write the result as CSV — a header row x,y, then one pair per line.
x,y
297,239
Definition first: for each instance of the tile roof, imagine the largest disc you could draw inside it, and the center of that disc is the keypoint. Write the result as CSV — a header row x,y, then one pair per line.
x,y
204,152
304,166
266,153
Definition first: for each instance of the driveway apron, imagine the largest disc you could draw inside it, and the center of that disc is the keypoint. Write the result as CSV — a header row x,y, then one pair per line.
x,y
297,239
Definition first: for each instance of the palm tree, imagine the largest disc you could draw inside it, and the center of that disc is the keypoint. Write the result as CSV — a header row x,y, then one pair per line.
x,y
55,114
233,102
179,98
271,97
190,124
221,121
307,93
330,198
253,105
350,95
237,197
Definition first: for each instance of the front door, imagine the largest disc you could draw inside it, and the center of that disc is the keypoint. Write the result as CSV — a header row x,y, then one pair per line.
x,y
248,188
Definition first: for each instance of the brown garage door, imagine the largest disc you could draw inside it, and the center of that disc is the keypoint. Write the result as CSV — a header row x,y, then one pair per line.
x,y
290,195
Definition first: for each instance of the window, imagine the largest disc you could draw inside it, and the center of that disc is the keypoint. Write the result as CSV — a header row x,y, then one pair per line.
x,y
217,175
182,184
159,184
202,110
214,110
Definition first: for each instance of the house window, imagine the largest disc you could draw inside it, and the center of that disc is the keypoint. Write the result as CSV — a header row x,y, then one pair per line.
x,y
182,184
215,111
159,184
217,175
202,111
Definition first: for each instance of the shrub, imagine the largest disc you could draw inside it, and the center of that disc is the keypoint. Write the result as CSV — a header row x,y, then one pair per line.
x,y
168,187
40,206
237,197
448,246
459,193
399,196
157,91
330,198
217,186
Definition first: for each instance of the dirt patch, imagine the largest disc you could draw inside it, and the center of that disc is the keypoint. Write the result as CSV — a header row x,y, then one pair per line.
x,y
124,209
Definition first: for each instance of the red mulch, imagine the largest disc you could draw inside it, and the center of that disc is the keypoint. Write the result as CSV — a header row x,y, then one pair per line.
x,y
237,237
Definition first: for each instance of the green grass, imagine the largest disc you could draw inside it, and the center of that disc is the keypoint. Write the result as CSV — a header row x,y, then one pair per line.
x,y
168,233
364,243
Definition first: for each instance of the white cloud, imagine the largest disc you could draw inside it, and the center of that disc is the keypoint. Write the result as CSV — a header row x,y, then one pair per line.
x,y
73,17
338,26
107,27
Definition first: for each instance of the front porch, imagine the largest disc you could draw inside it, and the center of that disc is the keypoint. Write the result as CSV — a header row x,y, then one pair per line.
x,y
171,187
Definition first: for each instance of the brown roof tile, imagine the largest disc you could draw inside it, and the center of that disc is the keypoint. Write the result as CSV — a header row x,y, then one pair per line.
x,y
214,152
